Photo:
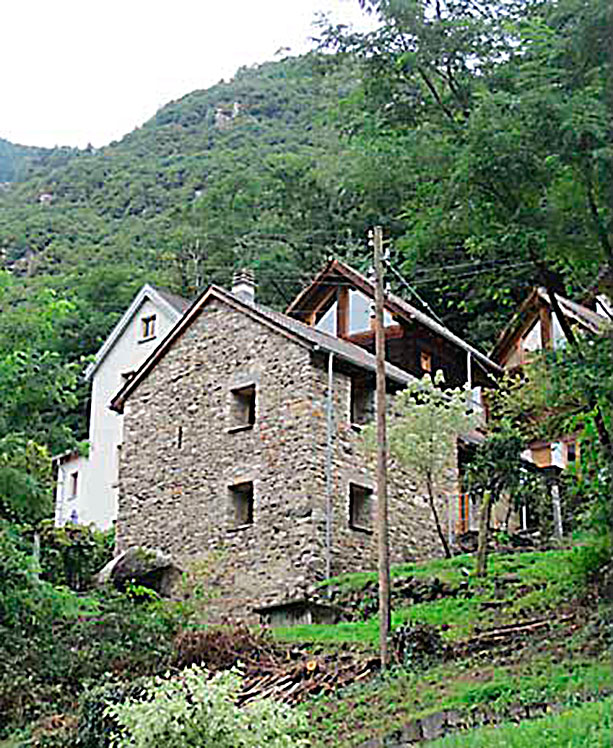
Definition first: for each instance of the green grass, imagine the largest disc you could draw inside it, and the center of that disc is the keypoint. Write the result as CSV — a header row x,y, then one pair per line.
x,y
586,726
387,703
542,580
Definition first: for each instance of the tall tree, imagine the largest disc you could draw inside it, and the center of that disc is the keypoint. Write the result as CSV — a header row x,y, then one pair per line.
x,y
501,108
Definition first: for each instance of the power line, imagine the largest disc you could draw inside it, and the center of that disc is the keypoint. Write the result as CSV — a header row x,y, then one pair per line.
x,y
413,291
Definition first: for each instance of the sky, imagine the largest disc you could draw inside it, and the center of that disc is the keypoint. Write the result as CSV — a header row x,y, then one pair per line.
x,y
90,71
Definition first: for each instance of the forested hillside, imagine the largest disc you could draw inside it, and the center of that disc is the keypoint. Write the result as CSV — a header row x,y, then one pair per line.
x,y
18,162
480,140
245,172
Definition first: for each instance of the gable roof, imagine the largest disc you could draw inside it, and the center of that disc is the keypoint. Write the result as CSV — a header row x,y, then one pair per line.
x,y
335,270
174,306
313,339
591,321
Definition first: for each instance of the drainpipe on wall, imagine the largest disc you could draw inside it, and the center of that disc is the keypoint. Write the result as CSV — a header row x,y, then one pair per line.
x,y
329,486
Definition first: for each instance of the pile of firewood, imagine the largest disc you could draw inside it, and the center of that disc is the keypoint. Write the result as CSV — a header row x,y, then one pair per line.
x,y
296,681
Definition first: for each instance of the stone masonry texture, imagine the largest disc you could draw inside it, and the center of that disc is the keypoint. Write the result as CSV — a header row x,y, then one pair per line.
x,y
181,456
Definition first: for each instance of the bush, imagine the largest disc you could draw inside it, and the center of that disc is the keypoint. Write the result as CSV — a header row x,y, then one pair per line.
x,y
53,642
588,560
73,554
194,708
96,723
417,645
222,647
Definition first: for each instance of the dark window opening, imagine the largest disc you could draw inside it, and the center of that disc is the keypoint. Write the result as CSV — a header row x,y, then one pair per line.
x,y
74,484
362,402
241,504
360,508
148,327
179,437
571,453
242,411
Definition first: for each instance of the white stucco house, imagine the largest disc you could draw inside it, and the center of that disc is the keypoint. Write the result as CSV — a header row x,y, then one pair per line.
x,y
86,488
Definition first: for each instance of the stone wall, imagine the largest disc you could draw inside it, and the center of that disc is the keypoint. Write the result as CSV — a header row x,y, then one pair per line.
x,y
183,451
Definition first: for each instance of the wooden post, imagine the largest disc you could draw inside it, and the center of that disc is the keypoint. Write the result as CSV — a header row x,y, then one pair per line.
x,y
484,523
382,529
557,510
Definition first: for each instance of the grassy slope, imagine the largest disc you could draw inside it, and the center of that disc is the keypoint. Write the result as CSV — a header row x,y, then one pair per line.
x,y
589,725
560,667
519,586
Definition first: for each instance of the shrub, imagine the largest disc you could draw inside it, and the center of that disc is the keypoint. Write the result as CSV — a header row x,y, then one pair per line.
x,y
53,642
73,554
588,560
222,647
194,708
96,723
417,644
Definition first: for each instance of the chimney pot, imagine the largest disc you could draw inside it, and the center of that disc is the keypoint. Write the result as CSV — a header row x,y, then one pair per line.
x,y
243,285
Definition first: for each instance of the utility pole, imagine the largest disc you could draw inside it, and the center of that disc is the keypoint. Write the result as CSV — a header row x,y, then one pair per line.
x,y
382,529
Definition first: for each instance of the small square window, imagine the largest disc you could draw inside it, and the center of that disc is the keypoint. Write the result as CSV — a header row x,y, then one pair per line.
x,y
362,402
74,484
241,504
242,408
360,508
148,327
425,361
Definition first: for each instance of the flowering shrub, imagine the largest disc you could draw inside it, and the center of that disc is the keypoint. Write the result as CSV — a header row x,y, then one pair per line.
x,y
194,708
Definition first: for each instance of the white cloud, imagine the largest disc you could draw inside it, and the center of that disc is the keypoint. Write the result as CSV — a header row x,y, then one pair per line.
x,y
79,71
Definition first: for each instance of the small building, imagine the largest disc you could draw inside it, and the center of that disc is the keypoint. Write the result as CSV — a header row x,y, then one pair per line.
x,y
86,486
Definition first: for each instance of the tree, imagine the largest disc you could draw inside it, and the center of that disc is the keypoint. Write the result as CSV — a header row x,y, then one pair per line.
x,y
423,431
568,391
502,110
497,470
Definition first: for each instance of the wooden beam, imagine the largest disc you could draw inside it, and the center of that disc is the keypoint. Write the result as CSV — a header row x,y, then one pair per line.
x,y
546,327
342,312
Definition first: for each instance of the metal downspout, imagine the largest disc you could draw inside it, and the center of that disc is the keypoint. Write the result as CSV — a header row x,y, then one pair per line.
x,y
329,440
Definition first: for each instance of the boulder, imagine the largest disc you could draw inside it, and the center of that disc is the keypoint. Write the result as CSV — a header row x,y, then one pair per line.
x,y
147,567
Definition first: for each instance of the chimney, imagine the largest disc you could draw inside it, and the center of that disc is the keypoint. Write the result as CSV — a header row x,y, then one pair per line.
x,y
243,285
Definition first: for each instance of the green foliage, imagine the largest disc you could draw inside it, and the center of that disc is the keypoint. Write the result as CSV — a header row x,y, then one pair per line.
x,y
425,424
545,580
422,436
499,119
569,391
384,705
53,642
579,727
71,555
25,479
195,708
38,390
96,724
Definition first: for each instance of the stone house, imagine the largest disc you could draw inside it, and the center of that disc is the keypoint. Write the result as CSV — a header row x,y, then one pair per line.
x,y
86,486
241,446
